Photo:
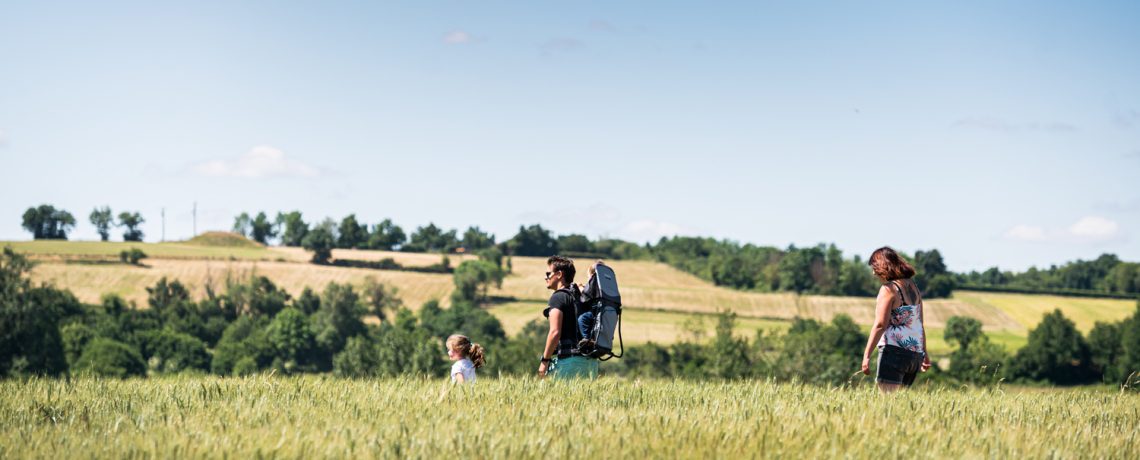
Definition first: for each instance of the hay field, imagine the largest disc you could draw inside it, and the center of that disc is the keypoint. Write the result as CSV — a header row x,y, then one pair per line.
x,y
317,417
89,282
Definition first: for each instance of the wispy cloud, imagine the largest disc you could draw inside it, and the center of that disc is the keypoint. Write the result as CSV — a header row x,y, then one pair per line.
x,y
559,44
599,25
460,36
1126,118
262,161
1088,230
651,230
997,124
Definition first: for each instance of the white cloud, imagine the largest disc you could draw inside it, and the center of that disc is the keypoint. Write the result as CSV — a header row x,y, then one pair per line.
x,y
262,161
1088,230
650,230
458,36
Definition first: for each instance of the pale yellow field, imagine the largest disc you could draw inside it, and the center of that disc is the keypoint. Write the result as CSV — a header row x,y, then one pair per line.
x,y
659,297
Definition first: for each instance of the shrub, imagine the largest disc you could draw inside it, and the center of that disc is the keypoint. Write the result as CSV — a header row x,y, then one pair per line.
x,y
132,256
106,357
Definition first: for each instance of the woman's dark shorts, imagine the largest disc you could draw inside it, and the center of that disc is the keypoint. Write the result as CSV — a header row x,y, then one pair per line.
x,y
898,366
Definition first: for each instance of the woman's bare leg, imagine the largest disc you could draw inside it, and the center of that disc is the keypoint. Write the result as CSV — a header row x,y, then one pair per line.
x,y
885,388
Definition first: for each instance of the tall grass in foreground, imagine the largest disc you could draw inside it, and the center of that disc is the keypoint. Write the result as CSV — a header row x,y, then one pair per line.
x,y
314,416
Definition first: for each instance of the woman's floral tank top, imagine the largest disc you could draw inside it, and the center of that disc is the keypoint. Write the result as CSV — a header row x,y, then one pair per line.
x,y
905,330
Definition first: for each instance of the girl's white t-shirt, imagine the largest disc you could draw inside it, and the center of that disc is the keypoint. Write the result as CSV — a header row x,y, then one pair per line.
x,y
465,367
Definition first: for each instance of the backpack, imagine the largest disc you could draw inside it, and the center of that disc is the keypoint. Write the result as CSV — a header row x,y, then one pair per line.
x,y
601,302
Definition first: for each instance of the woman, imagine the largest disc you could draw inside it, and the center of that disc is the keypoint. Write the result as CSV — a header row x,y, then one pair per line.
x,y
898,331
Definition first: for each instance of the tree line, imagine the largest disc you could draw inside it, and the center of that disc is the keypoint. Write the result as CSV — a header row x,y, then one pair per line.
x,y
253,326
821,269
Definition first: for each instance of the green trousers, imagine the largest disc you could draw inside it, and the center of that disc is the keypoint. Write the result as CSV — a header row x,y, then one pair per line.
x,y
574,367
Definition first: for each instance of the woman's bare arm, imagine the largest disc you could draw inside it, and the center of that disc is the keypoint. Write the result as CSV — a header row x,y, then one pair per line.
x,y
882,319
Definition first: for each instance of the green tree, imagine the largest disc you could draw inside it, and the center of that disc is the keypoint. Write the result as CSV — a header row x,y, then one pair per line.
x,y
261,229
471,275
534,241
386,235
476,240
1106,349
131,221
242,224
796,268
574,243
381,298
295,228
431,239
1056,352
30,341
339,318
48,223
308,302
351,233
109,358
320,242
102,219
292,337
169,352
963,330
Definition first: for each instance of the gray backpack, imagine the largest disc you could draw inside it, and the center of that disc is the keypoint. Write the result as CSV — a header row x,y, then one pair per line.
x,y
599,315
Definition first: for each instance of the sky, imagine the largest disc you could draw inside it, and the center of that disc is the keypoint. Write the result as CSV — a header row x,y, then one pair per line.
x,y
1000,133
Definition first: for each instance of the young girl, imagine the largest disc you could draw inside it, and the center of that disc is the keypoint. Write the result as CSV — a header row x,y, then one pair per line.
x,y
468,357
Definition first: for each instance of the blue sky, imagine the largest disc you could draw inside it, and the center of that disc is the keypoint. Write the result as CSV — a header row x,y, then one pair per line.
x,y
1002,134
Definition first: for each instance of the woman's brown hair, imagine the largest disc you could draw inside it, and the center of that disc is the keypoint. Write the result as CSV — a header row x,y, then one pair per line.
x,y
468,350
887,263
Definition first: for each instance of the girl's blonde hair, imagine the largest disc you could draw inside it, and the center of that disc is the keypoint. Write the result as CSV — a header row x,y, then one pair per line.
x,y
468,350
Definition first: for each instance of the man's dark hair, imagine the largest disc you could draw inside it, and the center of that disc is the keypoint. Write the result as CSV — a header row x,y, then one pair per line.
x,y
564,265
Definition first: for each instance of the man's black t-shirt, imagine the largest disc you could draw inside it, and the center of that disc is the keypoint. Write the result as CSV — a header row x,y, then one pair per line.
x,y
562,301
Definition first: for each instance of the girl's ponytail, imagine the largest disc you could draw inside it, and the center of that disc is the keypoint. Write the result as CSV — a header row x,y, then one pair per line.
x,y
475,354
471,351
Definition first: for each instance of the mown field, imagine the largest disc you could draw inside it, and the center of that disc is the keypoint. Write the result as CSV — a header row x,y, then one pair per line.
x,y
318,417
659,298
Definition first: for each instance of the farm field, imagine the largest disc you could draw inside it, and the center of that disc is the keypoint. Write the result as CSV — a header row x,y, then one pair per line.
x,y
313,416
659,297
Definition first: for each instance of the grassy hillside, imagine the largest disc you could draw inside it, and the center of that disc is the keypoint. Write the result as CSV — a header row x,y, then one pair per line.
x,y
659,297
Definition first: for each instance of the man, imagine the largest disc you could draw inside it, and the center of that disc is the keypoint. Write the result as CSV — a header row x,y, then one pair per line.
x,y
560,357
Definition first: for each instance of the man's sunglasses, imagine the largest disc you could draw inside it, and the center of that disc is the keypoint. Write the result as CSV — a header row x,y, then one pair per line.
x,y
548,274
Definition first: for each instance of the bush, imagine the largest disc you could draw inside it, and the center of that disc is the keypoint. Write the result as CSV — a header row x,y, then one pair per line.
x,y
245,366
1056,352
175,352
132,256
108,358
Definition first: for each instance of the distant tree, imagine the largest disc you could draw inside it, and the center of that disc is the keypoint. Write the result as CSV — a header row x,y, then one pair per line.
x,y
131,221
1056,352
261,229
386,235
30,341
475,239
1106,349
795,268
352,234
320,242
381,298
102,219
574,243
167,351
963,330
431,239
133,256
534,241
241,224
493,255
473,275
338,319
295,228
292,337
48,223
307,302
109,358
931,276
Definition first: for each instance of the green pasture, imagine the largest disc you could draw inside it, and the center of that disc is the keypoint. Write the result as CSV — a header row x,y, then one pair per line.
x,y
109,248
320,417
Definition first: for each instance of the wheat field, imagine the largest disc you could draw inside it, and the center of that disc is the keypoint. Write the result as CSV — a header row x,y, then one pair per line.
x,y
318,417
